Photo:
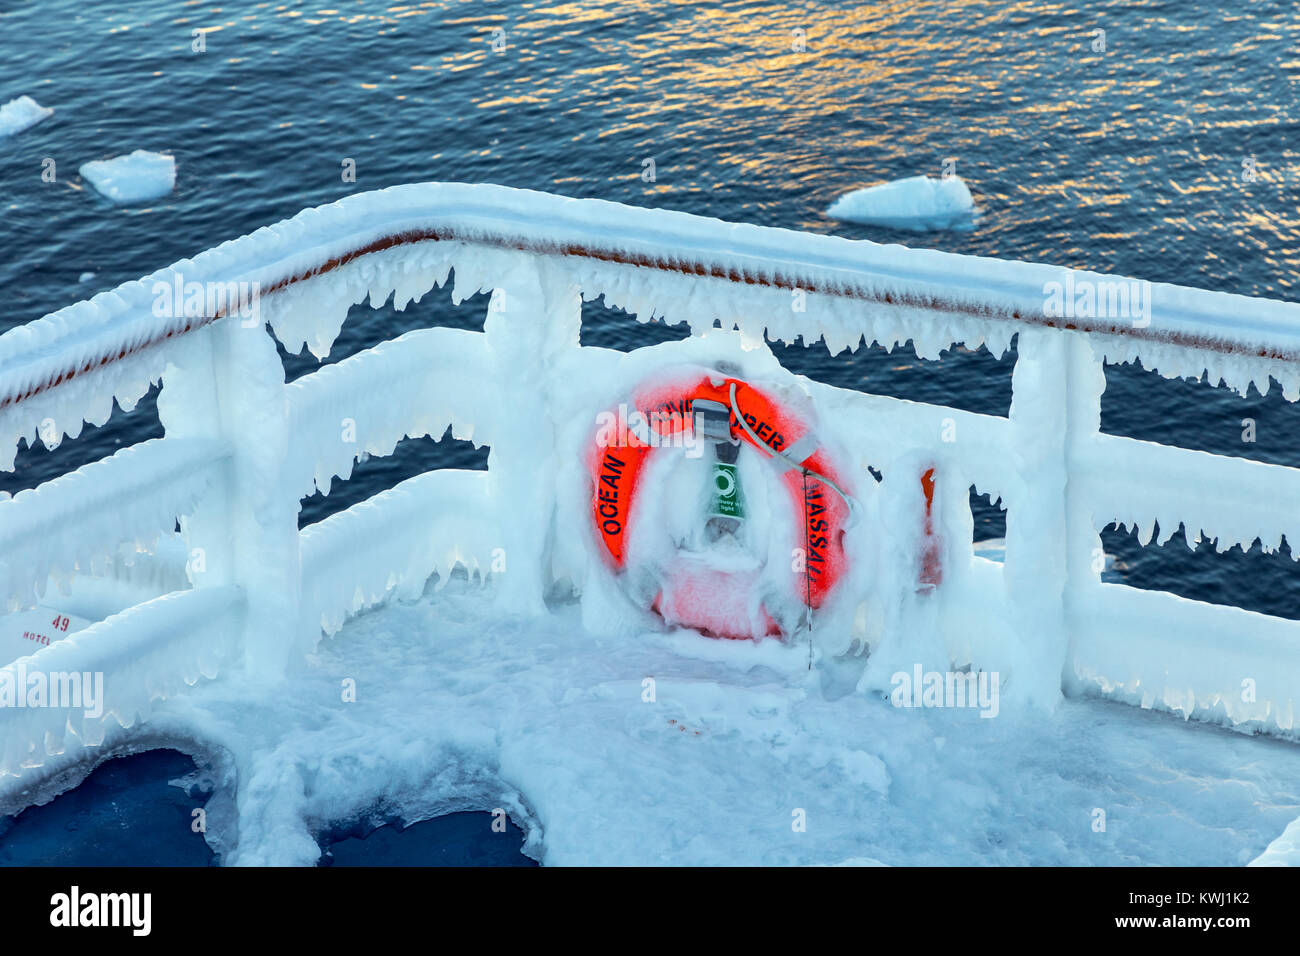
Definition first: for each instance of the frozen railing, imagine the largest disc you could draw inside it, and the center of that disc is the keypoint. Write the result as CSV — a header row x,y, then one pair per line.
x,y
242,447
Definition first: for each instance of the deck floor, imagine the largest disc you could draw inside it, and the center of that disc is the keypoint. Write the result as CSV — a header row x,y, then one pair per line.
x,y
457,708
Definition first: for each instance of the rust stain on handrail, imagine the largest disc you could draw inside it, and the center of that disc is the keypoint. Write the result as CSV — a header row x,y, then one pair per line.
x,y
662,264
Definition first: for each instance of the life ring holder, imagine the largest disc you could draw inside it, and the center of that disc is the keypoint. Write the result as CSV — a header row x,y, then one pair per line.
x,y
661,411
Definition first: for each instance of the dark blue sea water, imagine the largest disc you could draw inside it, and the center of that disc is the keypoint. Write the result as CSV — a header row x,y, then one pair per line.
x,y
1129,160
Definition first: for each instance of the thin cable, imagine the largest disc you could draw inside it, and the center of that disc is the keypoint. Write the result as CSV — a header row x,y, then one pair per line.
x,y
804,470
790,462
807,571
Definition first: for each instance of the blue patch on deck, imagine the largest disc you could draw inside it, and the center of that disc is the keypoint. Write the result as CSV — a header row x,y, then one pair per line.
x,y
125,813
457,839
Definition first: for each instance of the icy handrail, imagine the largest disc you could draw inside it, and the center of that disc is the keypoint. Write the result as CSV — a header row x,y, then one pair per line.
x,y
79,519
129,661
116,324
1233,500
443,366
393,543
1189,657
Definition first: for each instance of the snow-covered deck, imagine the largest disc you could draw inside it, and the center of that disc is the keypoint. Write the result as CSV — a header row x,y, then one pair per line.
x,y
460,707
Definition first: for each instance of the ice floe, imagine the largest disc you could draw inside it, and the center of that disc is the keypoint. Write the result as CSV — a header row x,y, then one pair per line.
x,y
918,203
20,114
136,177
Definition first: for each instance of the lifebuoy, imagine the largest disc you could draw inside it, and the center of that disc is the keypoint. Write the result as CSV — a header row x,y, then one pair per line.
x,y
657,414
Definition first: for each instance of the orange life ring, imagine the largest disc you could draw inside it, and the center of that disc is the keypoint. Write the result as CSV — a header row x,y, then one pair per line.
x,y
617,463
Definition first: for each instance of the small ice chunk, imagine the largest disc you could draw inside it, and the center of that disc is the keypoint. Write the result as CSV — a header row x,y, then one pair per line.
x,y
136,177
918,203
85,277
18,114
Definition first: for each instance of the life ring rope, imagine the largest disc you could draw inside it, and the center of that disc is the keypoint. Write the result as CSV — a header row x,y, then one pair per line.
x,y
789,461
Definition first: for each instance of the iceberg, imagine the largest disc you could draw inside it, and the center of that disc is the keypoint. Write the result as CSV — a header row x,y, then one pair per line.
x,y
136,177
918,203
20,114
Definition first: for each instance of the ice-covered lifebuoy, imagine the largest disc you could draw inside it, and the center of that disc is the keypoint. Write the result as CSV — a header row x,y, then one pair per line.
x,y
814,484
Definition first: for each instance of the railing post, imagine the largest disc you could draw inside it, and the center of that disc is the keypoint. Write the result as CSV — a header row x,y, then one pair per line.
x,y
1085,558
1055,411
533,316
189,407
228,383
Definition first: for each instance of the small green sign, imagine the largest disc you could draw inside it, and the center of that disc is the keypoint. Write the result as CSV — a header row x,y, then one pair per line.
x,y
728,502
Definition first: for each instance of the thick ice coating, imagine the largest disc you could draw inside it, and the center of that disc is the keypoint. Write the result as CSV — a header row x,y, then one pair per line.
x,y
525,687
